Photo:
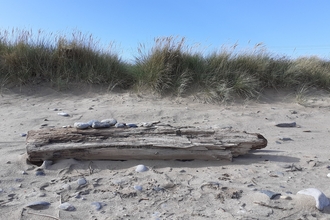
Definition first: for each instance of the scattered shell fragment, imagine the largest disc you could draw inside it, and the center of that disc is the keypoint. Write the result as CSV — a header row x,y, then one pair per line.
x,y
81,125
64,114
67,207
97,205
328,175
141,168
38,205
23,134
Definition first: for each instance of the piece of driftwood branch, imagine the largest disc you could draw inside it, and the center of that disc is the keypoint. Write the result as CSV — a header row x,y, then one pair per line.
x,y
156,142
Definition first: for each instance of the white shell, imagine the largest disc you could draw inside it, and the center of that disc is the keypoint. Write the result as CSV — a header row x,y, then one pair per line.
x,y
67,206
63,114
141,168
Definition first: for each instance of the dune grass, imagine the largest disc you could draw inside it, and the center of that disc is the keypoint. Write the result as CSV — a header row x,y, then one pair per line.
x,y
26,57
170,67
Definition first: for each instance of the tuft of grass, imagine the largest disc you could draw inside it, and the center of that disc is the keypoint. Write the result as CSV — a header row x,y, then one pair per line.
x,y
309,71
59,59
169,67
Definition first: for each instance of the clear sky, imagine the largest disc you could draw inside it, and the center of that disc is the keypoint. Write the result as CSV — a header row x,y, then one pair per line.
x,y
285,27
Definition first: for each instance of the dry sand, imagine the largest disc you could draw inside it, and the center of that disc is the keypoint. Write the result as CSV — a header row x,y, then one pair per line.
x,y
170,189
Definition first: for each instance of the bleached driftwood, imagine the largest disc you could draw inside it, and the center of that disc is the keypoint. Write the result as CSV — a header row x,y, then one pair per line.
x,y
157,142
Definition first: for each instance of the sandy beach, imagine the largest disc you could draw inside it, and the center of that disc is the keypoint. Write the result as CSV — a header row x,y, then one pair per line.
x,y
295,158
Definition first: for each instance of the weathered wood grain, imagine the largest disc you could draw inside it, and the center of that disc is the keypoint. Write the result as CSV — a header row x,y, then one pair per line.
x,y
157,142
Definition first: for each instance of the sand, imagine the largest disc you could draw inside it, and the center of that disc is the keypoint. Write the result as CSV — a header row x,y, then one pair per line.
x,y
170,189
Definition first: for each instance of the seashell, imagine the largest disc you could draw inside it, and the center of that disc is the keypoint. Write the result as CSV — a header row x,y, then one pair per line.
x,y
81,125
67,207
38,205
111,121
97,205
120,125
100,125
141,168
81,181
64,114
131,125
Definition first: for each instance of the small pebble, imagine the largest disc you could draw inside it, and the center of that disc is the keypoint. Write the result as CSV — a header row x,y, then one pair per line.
x,y
320,199
24,173
285,139
91,122
286,197
286,125
38,205
157,189
67,207
138,187
141,168
120,125
328,175
63,114
97,205
131,125
101,125
40,173
23,134
81,125
41,194
270,194
81,181
76,195
111,121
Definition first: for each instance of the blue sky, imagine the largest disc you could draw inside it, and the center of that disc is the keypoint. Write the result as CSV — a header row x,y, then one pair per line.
x,y
285,27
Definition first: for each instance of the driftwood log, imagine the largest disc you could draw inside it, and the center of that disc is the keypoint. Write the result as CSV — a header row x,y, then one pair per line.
x,y
156,142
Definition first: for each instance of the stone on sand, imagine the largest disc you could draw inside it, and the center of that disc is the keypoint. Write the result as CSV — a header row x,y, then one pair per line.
x,y
320,199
